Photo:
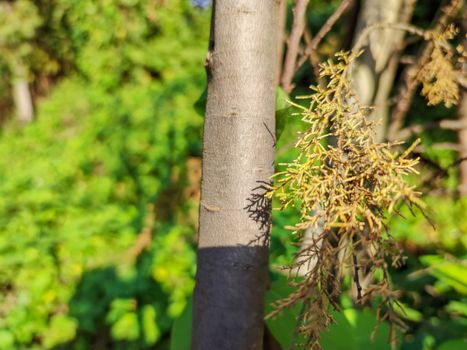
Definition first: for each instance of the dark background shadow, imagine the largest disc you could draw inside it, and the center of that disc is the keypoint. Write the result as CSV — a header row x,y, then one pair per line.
x,y
93,300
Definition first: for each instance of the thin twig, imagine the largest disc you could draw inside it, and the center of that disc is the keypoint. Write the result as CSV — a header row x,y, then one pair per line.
x,y
144,238
314,58
385,25
446,124
312,45
298,26
281,35
356,278
344,5
462,115
443,145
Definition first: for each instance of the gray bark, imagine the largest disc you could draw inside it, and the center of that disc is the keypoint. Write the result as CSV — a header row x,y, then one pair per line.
x,y
373,74
238,156
22,95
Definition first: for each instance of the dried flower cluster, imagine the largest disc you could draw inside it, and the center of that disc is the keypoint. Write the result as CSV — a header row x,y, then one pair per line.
x,y
438,76
343,184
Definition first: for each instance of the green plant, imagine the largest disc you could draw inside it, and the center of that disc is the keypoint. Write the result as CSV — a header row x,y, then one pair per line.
x,y
112,138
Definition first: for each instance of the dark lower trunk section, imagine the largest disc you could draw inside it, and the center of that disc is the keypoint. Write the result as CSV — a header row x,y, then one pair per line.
x,y
224,286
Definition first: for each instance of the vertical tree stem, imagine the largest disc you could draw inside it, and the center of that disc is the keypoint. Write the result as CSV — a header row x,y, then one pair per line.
x,y
463,120
298,26
281,36
238,155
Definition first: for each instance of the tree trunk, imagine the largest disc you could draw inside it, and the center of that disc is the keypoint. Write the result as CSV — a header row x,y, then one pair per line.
x,y
374,72
238,157
22,95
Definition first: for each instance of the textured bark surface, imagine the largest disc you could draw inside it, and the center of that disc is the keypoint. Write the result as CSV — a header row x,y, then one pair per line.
x,y
238,156
374,73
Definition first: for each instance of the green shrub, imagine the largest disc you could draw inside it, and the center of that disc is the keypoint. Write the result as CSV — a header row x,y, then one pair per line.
x,y
75,185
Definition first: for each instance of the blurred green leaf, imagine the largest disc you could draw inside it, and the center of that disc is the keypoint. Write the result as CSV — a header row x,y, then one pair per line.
x,y
408,313
355,330
150,330
457,307
451,273
7,339
126,327
283,109
282,326
200,104
181,330
455,344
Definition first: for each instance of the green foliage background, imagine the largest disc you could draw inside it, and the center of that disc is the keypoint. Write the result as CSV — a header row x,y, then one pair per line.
x,y
115,83
112,136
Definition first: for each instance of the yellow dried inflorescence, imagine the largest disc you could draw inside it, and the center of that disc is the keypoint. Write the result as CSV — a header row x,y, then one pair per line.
x,y
438,76
343,184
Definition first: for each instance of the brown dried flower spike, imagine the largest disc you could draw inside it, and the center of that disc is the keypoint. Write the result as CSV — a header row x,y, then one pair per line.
x,y
438,76
343,183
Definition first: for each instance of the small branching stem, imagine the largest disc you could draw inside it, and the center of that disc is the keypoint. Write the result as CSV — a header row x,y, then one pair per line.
x,y
298,26
360,43
356,278
313,42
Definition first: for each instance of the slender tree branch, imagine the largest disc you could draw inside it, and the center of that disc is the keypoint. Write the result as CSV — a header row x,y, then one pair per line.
x,y
407,10
356,278
313,57
281,36
298,26
443,145
462,114
384,25
440,124
331,21
143,241
312,43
